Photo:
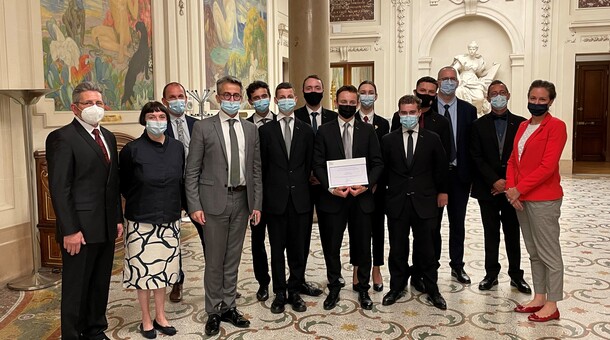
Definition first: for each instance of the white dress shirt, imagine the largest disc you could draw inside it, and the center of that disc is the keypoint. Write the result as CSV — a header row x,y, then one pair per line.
x,y
405,138
90,129
280,118
258,120
318,117
241,140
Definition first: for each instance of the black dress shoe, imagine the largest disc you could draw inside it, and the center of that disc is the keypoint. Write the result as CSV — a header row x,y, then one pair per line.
x,y
149,334
176,294
237,295
331,300
167,330
309,289
365,300
378,287
521,285
263,293
355,287
460,275
418,284
341,282
235,317
277,306
212,326
437,300
487,283
297,303
391,297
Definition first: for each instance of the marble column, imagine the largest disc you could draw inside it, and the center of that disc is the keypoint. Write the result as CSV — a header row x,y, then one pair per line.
x,y
308,27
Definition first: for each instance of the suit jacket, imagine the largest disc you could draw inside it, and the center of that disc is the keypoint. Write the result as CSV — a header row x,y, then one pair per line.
x,y
466,114
327,115
190,122
251,118
489,167
432,122
284,177
536,174
329,146
206,176
381,125
84,189
423,181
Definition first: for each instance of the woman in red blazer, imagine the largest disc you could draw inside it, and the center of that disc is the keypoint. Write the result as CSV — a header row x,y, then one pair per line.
x,y
534,189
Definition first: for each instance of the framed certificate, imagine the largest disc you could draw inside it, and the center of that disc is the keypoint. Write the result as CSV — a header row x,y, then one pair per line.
x,y
347,172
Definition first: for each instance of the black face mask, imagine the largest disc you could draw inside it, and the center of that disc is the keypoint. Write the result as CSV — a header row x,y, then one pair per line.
x,y
347,111
313,98
426,99
537,109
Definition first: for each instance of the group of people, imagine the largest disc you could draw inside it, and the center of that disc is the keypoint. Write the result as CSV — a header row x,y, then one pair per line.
x,y
270,172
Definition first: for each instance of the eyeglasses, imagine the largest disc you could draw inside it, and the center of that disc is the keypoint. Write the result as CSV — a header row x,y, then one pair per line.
x,y
228,96
91,103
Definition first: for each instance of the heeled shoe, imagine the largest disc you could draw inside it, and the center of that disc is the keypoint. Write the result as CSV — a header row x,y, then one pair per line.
x,y
530,309
535,318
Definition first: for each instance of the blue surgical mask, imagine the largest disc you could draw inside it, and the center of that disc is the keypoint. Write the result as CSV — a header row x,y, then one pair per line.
x,y
448,86
177,106
367,100
261,105
229,107
156,127
286,105
499,102
409,122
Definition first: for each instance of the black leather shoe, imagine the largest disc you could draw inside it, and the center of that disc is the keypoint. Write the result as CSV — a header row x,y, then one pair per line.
x,y
297,303
309,289
277,306
365,300
263,293
354,287
149,334
437,300
331,300
521,285
167,330
487,283
378,287
176,294
342,282
212,326
237,295
391,297
235,317
418,284
461,275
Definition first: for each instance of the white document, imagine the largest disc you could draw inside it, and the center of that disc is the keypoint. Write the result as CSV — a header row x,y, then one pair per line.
x,y
347,172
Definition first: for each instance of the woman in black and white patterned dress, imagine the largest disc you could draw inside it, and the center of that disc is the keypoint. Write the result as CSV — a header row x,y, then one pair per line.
x,y
151,169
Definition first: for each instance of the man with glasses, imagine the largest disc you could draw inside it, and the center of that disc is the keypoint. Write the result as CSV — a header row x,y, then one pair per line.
x,y
84,184
224,190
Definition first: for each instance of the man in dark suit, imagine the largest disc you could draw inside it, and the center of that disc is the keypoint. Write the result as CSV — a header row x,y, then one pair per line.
x,y
84,185
286,152
367,94
259,97
347,138
180,127
315,115
416,168
491,145
460,115
224,190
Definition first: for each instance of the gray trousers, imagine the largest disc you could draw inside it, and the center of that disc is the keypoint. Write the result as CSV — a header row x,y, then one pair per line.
x,y
539,222
224,239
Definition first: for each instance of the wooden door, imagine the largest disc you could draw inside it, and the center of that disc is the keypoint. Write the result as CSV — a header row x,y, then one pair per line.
x,y
591,111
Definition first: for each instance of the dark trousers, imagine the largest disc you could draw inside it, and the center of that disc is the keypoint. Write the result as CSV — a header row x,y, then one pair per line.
x,y
287,233
260,262
200,233
494,212
377,230
314,198
398,261
84,291
332,228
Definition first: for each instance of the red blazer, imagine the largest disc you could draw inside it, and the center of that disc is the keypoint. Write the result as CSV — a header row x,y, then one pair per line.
x,y
536,175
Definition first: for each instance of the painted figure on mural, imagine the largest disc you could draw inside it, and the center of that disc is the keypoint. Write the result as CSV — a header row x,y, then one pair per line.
x,y
117,36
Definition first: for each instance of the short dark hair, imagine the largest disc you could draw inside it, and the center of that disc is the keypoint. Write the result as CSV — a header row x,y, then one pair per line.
x,y
368,82
283,86
312,76
173,83
547,85
346,88
84,87
228,79
409,99
426,79
149,107
496,82
255,85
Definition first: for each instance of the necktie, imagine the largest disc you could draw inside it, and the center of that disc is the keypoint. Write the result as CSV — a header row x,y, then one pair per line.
x,y
452,153
287,135
234,174
410,148
366,119
347,145
314,122
264,121
99,142
181,136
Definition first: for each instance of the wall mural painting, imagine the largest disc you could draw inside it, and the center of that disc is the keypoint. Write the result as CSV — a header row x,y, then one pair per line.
x,y
104,41
235,40
593,3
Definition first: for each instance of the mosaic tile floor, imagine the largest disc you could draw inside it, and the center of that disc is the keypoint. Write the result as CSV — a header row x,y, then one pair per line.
x,y
471,314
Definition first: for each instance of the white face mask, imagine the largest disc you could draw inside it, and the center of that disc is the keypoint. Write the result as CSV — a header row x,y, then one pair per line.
x,y
92,114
